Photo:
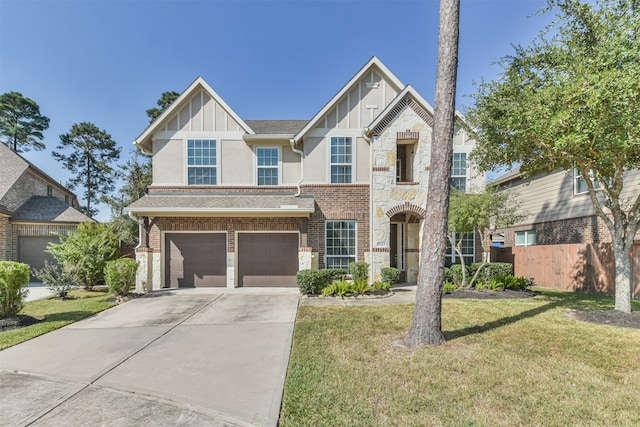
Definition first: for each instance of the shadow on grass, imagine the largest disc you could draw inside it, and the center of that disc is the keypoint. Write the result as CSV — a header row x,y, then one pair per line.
x,y
479,329
68,316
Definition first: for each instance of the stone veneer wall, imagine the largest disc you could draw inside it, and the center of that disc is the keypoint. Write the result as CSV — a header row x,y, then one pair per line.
x,y
390,197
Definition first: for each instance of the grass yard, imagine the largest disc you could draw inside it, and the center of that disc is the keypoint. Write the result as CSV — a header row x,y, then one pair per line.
x,y
506,363
56,314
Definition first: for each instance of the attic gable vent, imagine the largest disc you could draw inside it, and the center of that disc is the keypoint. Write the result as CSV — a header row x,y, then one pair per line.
x,y
407,101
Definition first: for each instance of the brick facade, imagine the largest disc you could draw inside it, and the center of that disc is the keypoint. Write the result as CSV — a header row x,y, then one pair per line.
x,y
589,229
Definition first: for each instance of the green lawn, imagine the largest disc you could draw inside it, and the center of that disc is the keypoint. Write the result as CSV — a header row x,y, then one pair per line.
x,y
506,363
57,313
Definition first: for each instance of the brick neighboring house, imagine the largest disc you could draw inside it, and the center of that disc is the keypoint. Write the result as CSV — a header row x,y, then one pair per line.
x,y
562,243
32,207
251,202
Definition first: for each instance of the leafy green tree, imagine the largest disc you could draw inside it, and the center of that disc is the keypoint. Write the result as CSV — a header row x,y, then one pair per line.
x,y
21,124
426,325
480,213
85,252
136,176
573,101
92,154
166,99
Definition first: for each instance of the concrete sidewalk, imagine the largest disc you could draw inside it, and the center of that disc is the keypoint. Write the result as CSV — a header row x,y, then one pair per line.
x,y
189,357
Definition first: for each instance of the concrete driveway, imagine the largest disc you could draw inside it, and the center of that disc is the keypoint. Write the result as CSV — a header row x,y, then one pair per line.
x,y
189,357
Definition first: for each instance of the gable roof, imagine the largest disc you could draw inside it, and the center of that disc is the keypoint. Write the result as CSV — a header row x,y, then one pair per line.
x,y
271,127
408,97
48,209
143,141
13,166
374,62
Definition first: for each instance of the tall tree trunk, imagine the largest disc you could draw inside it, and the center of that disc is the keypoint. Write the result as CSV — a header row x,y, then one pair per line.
x,y
622,247
426,327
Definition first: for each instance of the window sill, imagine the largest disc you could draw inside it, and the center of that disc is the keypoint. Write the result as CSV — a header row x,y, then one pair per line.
x,y
407,183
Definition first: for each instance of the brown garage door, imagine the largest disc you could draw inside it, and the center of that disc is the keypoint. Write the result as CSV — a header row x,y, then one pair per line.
x,y
31,251
195,260
267,259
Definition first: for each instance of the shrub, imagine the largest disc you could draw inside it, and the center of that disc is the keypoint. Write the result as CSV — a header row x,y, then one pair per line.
x,y
497,270
381,286
57,279
390,274
314,281
85,251
360,286
341,289
449,287
518,283
13,277
453,274
120,275
359,271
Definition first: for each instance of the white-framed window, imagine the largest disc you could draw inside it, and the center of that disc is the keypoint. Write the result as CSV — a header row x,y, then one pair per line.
x,y
340,243
341,159
268,170
526,238
468,249
579,183
459,172
202,162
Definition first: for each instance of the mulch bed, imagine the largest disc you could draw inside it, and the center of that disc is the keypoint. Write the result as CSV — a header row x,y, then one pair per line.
x,y
608,317
19,321
473,294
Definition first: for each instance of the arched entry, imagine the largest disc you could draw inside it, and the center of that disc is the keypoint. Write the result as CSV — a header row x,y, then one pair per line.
x,y
404,240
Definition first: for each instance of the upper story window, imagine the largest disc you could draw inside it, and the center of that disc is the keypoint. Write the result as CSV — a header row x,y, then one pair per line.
x,y
459,172
526,238
202,162
579,183
267,161
49,191
340,243
341,159
66,199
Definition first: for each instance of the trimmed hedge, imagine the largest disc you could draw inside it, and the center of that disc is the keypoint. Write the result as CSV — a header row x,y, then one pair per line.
x,y
390,275
492,270
313,281
13,277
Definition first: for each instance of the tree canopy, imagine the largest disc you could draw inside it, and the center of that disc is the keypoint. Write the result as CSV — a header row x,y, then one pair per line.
x,y
21,124
166,99
136,177
572,100
93,153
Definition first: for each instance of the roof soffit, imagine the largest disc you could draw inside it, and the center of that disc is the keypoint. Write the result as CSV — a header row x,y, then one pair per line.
x,y
198,84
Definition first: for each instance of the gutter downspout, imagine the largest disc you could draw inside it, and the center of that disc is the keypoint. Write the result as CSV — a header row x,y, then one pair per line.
x,y
365,131
292,141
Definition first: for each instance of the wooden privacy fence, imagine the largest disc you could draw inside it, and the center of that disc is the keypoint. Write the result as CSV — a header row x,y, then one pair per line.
x,y
581,267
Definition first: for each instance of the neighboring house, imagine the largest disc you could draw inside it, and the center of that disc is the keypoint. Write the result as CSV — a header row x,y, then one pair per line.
x,y
562,243
239,202
33,206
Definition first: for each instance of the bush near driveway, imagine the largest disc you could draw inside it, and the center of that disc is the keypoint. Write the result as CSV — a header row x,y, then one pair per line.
x,y
14,276
120,275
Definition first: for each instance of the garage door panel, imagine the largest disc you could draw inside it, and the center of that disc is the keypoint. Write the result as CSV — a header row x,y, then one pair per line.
x,y
267,259
195,260
31,251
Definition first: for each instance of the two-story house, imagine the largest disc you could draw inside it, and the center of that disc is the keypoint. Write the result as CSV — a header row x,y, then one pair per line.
x,y
34,209
562,243
239,202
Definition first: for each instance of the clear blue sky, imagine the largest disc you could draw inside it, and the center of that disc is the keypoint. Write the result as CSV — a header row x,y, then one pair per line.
x,y
108,61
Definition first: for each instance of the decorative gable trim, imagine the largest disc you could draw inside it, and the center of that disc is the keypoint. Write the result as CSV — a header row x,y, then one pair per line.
x,y
144,140
373,62
407,98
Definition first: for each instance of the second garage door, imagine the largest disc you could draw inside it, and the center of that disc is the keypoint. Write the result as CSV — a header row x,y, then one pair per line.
x,y
267,259
195,260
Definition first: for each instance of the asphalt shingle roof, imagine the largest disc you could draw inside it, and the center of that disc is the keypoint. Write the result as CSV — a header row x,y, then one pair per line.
x,y
287,127
50,209
12,166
